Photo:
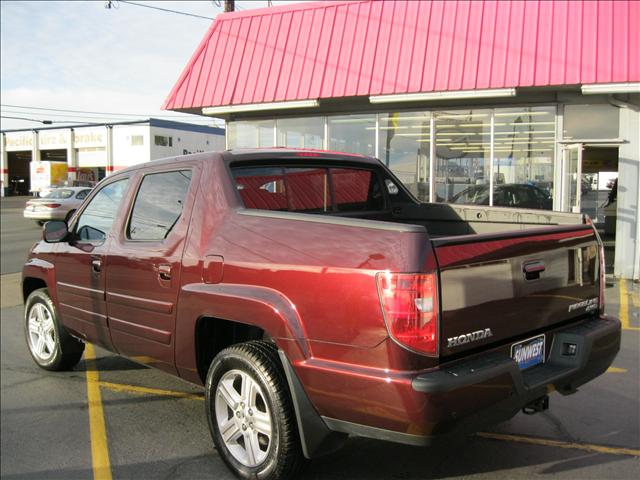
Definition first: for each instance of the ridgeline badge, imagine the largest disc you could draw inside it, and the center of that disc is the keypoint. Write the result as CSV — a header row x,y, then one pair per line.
x,y
588,305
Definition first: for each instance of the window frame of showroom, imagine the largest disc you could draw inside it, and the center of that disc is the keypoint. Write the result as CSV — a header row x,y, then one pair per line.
x,y
556,155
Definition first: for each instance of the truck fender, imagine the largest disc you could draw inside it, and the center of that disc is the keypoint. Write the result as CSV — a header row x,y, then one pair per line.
x,y
260,307
41,270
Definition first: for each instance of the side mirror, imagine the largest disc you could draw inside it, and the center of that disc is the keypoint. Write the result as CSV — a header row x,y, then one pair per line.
x,y
55,231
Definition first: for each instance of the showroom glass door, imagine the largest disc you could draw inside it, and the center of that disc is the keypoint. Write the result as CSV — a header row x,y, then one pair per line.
x,y
571,177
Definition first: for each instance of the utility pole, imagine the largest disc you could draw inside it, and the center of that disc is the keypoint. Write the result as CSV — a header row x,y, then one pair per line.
x,y
229,5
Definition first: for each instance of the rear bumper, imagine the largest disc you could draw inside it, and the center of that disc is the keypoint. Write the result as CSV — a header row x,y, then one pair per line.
x,y
471,394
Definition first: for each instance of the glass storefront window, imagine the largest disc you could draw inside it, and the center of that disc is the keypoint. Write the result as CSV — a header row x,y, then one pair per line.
x,y
352,134
404,143
250,134
524,149
463,141
300,132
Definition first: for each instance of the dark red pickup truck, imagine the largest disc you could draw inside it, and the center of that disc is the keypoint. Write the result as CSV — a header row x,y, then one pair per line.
x,y
314,298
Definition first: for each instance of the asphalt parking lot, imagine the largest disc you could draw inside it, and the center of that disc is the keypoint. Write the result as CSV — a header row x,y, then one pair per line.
x,y
114,418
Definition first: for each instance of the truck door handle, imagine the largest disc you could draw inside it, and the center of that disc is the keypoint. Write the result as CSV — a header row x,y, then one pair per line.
x,y
164,272
96,265
532,270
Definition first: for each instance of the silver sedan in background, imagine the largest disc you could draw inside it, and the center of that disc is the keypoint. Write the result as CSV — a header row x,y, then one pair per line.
x,y
59,204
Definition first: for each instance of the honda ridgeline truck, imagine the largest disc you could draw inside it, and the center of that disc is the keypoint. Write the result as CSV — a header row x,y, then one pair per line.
x,y
314,298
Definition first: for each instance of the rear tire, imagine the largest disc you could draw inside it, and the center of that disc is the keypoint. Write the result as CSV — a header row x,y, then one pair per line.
x,y
40,222
247,399
50,345
67,218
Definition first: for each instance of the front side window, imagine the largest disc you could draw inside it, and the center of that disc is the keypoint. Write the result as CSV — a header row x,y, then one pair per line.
x,y
158,205
96,220
309,190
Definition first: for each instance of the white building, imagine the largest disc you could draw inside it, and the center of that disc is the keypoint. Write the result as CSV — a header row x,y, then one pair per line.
x,y
92,152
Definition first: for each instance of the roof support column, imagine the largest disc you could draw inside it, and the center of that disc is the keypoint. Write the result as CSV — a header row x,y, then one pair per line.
x,y
491,157
35,152
4,160
627,261
109,149
72,160
432,158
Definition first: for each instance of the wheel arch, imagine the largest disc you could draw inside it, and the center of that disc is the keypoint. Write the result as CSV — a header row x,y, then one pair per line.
x,y
251,308
38,273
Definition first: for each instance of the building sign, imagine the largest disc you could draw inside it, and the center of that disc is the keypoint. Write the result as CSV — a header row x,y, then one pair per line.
x,y
51,140
45,174
89,137
16,141
91,156
88,175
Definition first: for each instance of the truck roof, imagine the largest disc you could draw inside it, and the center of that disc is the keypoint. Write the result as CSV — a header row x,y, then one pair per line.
x,y
252,154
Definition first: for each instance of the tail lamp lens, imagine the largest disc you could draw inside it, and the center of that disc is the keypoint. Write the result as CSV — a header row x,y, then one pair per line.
x,y
51,205
410,307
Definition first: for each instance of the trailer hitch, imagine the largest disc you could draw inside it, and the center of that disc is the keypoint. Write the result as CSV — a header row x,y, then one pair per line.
x,y
538,405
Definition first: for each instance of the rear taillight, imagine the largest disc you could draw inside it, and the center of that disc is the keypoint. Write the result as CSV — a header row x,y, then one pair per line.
x,y
50,205
410,307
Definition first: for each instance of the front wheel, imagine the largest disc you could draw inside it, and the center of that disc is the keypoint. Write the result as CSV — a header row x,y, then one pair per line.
x,y
250,413
50,345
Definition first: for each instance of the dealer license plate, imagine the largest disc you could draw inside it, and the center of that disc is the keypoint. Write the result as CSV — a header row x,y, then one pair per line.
x,y
529,352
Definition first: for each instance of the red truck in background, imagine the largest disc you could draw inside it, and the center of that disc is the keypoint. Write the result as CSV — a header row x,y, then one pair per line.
x,y
315,298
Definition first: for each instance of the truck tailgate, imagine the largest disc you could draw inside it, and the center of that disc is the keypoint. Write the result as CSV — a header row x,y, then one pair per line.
x,y
501,287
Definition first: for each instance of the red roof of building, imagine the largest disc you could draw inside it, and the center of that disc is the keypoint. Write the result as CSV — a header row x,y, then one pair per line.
x,y
349,48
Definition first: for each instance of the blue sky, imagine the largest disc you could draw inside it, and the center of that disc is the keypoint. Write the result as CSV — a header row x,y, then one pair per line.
x,y
78,55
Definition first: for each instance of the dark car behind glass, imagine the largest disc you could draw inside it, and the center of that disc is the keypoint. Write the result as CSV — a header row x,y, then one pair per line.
x,y
520,195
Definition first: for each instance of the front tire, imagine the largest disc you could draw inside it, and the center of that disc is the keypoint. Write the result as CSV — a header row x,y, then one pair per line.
x,y
250,413
50,345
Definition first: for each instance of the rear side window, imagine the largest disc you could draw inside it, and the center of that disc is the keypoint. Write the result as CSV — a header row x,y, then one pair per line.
x,y
309,190
82,194
158,205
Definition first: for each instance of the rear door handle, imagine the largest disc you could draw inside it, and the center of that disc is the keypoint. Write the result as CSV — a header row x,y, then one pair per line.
x,y
164,272
96,265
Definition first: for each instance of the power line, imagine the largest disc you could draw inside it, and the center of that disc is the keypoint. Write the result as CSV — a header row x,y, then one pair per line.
x,y
92,112
45,122
5,110
99,117
168,10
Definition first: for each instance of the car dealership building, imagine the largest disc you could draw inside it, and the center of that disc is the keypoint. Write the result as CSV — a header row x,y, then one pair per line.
x,y
453,96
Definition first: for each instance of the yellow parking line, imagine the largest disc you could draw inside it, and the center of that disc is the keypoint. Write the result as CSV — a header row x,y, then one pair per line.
x,y
616,370
624,307
560,444
119,387
99,445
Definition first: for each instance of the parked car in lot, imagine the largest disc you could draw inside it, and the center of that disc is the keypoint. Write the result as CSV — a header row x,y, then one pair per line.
x,y
519,195
58,204
314,298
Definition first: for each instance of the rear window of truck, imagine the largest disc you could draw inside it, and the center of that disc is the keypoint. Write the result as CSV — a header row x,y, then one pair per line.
x,y
309,190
